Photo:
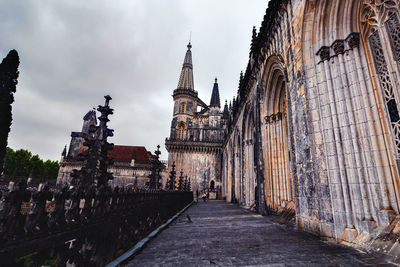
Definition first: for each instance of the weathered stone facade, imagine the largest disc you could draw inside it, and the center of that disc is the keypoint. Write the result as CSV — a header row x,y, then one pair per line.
x,y
315,128
195,142
132,165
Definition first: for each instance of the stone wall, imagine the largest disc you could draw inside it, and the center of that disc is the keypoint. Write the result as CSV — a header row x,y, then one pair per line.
x,y
123,175
313,131
201,167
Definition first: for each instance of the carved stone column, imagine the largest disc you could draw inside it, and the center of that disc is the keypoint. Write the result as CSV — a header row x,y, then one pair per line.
x,y
340,174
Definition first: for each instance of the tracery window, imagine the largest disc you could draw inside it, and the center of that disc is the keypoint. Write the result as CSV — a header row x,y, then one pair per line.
x,y
393,29
389,30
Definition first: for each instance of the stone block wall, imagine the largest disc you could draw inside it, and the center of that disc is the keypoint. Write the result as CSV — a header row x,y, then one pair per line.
x,y
201,167
311,109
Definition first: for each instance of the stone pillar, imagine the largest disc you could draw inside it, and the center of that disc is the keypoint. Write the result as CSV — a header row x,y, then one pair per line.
x,y
338,177
356,159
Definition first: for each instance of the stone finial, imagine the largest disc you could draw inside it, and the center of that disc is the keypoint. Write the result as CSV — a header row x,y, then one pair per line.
x,y
107,101
338,47
353,40
279,116
157,152
64,152
324,53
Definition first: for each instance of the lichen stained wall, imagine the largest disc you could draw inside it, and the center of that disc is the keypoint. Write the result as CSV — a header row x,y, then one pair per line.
x,y
201,167
314,128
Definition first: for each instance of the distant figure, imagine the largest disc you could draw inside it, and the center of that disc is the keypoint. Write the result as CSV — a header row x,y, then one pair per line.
x,y
204,197
208,195
188,217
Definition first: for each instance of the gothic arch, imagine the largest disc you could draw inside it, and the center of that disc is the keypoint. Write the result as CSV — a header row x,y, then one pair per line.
x,y
181,130
344,70
228,171
237,167
278,180
335,20
249,175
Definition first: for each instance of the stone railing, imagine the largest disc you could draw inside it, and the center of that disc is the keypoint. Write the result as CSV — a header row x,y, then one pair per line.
x,y
42,226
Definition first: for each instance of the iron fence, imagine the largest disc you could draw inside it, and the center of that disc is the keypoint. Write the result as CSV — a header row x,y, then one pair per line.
x,y
43,226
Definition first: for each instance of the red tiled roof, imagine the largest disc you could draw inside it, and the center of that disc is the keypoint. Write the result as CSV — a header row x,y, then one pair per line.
x,y
127,153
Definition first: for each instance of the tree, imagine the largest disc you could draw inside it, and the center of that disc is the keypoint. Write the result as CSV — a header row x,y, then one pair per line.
x,y
37,167
8,81
22,163
9,164
50,170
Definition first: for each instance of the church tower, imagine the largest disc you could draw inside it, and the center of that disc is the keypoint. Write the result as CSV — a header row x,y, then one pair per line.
x,y
185,100
196,135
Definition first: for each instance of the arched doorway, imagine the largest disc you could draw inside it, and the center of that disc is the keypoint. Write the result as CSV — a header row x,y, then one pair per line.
x,y
279,185
249,167
236,168
212,185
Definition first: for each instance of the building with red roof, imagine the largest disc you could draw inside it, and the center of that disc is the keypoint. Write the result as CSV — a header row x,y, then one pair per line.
x,y
131,164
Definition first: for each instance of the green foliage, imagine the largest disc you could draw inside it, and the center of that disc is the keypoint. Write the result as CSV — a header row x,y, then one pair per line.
x,y
8,81
50,169
37,166
22,163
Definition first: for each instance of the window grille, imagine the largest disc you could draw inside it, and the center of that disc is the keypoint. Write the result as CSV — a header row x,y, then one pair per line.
x,y
387,86
393,29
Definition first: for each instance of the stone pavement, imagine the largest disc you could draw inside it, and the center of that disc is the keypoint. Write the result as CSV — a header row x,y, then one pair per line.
x,y
222,234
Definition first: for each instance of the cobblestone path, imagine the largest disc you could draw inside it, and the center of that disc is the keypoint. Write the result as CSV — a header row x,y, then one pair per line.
x,y
222,234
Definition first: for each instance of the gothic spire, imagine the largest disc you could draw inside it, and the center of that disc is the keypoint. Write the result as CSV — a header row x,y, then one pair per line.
x,y
186,78
64,152
215,96
226,110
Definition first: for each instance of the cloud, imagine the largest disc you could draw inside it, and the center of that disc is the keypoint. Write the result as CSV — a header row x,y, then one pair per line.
x,y
74,52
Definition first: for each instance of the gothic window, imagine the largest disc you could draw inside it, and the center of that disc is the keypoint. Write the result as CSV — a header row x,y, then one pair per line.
x,y
181,130
182,107
386,84
393,29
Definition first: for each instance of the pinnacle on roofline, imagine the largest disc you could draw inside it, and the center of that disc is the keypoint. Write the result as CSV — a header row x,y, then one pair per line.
x,y
215,95
186,77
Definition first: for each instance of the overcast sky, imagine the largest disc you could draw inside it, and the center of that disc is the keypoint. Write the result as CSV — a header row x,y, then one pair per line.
x,y
73,53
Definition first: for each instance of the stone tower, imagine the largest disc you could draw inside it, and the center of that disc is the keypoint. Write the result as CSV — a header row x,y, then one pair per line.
x,y
197,131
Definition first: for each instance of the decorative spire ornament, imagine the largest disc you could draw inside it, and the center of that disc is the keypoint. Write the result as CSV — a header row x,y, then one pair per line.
x,y
172,176
180,183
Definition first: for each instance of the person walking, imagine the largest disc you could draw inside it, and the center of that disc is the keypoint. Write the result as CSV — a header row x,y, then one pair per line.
x,y
204,197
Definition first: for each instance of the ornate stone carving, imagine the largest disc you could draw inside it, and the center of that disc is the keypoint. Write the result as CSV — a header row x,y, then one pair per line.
x,y
353,40
338,47
324,53
279,116
376,12
387,86
393,29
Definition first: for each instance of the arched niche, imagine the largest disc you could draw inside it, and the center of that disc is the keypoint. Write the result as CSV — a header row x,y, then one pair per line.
x,y
275,141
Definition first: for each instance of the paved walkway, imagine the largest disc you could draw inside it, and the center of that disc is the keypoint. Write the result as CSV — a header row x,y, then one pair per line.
x,y
222,234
